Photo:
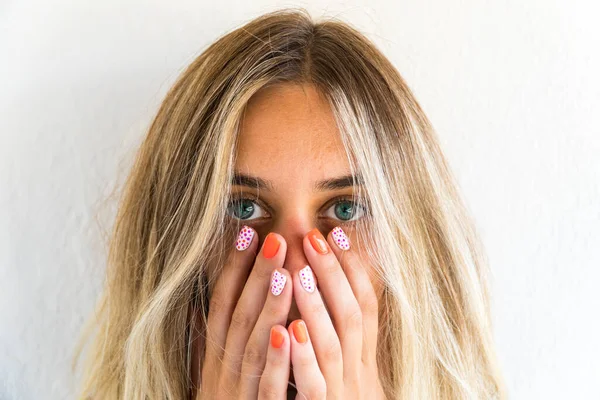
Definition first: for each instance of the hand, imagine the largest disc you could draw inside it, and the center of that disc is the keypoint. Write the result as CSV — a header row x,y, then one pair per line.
x,y
333,360
240,317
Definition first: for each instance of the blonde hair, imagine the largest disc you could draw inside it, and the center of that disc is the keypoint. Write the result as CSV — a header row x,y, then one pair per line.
x,y
170,234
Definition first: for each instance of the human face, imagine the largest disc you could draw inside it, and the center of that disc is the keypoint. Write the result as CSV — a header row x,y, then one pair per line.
x,y
290,141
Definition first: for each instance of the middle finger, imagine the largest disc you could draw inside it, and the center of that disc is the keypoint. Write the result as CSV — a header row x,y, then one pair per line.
x,y
275,312
325,340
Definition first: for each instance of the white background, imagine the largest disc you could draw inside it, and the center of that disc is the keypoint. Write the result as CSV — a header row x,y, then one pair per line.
x,y
512,87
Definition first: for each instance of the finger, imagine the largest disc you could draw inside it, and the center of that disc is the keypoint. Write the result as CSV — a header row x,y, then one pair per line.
x,y
362,286
312,309
309,379
274,380
249,306
275,311
226,292
341,302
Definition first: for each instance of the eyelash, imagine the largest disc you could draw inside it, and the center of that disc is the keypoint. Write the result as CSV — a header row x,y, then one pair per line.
x,y
356,201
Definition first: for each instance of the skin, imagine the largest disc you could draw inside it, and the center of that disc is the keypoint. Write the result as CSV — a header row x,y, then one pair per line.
x,y
289,138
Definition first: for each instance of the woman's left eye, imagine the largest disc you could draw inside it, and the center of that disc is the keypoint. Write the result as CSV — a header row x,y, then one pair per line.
x,y
346,211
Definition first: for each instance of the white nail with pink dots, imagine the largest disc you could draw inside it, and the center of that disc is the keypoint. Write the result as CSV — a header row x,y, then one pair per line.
x,y
307,279
244,238
277,282
340,238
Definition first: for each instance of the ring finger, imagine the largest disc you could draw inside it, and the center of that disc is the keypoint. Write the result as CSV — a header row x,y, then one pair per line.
x,y
312,308
275,311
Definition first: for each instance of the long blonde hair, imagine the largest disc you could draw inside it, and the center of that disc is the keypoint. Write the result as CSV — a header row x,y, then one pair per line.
x,y
170,234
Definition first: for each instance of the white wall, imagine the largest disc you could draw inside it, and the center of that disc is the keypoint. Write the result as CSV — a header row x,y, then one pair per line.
x,y
511,86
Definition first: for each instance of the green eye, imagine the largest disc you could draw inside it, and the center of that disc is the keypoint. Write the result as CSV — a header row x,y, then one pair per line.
x,y
242,209
347,210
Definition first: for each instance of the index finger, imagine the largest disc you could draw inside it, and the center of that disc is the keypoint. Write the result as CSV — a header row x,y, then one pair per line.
x,y
362,286
337,292
226,292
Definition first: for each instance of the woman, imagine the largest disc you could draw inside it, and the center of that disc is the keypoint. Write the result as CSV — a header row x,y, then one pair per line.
x,y
290,218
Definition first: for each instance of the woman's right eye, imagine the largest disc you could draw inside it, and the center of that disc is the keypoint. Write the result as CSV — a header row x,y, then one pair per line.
x,y
243,209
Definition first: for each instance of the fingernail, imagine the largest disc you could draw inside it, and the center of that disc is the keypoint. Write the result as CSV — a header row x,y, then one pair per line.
x,y
299,329
340,238
244,238
318,241
277,282
271,245
276,338
307,279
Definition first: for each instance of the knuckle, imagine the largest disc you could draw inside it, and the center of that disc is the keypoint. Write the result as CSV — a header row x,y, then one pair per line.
x,y
318,308
277,362
353,382
331,266
317,391
262,272
212,345
371,305
267,390
225,388
355,319
226,393
305,360
240,320
254,355
217,304
275,308
333,353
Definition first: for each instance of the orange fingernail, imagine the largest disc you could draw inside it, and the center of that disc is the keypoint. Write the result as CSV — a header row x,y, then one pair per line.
x,y
271,245
299,329
317,241
276,338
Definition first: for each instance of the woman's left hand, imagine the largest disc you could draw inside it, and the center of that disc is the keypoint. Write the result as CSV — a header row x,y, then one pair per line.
x,y
334,359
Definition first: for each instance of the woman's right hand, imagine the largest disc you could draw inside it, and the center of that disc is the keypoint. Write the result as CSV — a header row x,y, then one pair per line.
x,y
240,318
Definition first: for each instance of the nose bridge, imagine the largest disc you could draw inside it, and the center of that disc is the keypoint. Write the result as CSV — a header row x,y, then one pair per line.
x,y
293,230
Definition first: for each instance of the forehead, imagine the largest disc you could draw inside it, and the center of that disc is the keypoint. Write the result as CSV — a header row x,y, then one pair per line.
x,y
290,131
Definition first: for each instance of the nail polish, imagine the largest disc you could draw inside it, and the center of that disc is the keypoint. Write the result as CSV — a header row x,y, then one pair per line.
x,y
299,329
277,282
270,246
318,242
244,238
307,279
340,238
276,338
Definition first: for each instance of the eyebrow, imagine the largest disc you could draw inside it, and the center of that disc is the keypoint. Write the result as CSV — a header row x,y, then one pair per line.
x,y
341,182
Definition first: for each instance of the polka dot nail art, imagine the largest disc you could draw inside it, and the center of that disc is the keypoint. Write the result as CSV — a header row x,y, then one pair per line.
x,y
340,238
244,238
307,279
277,282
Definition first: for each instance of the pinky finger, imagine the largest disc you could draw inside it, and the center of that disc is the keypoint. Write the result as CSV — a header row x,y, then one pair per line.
x,y
274,380
310,382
